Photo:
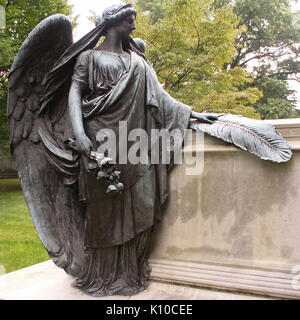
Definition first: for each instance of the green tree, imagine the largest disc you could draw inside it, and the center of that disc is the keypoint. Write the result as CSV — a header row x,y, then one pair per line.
x,y
270,41
277,100
188,47
21,17
155,8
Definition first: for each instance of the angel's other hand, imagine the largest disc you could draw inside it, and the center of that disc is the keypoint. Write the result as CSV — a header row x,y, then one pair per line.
x,y
84,144
204,117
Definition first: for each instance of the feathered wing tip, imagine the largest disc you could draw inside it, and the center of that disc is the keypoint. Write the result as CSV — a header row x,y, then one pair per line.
x,y
254,136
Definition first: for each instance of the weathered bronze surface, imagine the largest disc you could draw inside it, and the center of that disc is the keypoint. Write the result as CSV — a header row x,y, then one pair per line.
x,y
95,218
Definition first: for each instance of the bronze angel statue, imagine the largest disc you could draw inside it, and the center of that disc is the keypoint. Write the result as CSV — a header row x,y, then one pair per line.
x,y
60,95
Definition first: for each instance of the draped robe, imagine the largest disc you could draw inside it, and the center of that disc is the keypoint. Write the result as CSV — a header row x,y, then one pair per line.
x,y
124,88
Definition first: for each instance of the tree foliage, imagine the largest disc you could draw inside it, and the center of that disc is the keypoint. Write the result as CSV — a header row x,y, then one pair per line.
x,y
21,17
155,7
268,45
277,102
270,35
188,47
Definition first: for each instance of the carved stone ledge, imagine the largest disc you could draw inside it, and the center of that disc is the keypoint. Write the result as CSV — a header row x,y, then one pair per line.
x,y
264,281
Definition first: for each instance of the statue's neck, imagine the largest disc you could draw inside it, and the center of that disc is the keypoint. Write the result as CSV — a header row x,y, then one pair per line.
x,y
112,42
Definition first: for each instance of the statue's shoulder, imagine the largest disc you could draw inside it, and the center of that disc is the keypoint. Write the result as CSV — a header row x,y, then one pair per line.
x,y
84,56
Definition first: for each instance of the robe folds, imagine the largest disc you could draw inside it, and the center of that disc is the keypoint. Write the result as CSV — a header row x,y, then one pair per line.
x,y
123,89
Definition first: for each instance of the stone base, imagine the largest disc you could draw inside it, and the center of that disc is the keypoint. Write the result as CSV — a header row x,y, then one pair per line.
x,y
273,282
234,224
45,281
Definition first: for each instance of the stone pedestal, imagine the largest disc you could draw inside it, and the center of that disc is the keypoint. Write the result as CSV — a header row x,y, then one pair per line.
x,y
45,281
236,225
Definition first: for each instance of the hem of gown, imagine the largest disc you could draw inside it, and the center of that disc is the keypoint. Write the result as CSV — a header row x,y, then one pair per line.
x,y
124,291
117,270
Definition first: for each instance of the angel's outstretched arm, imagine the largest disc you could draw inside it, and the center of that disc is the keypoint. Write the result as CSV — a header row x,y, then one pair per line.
x,y
82,141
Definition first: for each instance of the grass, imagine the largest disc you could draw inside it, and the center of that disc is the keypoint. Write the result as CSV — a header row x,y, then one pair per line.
x,y
19,243
10,185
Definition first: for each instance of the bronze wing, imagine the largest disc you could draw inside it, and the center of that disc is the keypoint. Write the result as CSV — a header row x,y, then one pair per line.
x,y
55,210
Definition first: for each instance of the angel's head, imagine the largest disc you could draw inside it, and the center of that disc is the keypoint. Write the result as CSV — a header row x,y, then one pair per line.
x,y
120,17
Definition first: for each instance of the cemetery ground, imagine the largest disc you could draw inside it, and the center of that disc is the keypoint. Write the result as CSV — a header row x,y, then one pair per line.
x,y
20,245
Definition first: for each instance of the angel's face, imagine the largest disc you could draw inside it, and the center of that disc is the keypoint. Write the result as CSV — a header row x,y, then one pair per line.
x,y
126,26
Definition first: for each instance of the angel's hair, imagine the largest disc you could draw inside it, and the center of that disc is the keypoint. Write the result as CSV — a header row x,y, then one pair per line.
x,y
115,14
112,16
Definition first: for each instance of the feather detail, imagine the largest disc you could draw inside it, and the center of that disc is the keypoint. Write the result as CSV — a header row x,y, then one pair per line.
x,y
254,136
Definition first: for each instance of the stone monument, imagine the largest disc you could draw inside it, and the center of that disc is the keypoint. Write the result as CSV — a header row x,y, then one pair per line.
x,y
92,206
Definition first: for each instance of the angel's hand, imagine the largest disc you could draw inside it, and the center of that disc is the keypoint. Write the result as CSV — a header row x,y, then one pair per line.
x,y
84,144
204,117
